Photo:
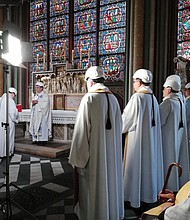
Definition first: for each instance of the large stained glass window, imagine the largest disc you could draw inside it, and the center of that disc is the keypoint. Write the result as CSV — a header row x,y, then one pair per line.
x,y
82,32
85,39
38,33
183,49
112,39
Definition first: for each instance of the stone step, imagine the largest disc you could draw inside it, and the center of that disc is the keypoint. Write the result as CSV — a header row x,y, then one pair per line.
x,y
56,150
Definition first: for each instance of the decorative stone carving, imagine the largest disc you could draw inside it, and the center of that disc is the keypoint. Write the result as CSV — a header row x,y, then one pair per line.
x,y
62,79
182,69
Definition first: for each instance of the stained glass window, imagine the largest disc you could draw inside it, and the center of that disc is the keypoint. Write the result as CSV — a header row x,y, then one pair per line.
x,y
91,31
58,7
183,48
38,10
59,26
112,39
85,21
38,30
84,4
58,49
85,39
38,33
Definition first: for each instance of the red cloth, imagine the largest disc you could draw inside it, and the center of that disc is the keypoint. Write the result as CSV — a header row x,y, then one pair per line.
x,y
19,107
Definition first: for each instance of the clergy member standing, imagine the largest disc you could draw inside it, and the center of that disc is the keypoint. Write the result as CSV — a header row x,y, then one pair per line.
x,y
174,133
96,152
143,161
13,118
40,122
187,106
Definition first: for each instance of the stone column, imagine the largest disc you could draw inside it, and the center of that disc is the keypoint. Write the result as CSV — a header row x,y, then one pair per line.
x,y
1,66
138,54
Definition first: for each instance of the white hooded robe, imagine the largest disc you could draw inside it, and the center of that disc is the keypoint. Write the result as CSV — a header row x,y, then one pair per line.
x,y
143,161
174,140
13,118
97,154
40,121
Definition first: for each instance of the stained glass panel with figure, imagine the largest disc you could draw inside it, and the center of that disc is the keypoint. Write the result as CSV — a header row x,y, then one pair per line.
x,y
58,49
59,26
183,47
84,4
183,4
38,10
85,21
113,15
58,7
112,39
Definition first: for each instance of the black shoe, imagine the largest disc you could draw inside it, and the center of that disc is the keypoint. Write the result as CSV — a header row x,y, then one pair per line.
x,y
43,143
34,142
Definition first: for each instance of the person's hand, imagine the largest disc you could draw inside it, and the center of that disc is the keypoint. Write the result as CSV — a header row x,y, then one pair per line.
x,y
34,102
167,195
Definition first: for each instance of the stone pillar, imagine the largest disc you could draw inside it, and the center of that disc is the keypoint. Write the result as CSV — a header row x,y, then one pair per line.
x,y
1,66
138,55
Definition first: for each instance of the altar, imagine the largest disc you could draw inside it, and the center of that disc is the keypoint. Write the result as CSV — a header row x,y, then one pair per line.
x,y
62,123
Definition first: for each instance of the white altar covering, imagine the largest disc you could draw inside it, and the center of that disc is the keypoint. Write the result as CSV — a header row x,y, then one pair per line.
x,y
63,117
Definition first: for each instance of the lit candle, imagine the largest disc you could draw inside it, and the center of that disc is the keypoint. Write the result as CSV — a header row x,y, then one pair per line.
x,y
44,59
80,54
72,57
89,54
51,58
64,50
37,59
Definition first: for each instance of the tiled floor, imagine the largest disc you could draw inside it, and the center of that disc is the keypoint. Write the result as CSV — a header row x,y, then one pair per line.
x,y
49,184
41,174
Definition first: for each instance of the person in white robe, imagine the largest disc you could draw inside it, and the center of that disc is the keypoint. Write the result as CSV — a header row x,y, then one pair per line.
x,y
187,107
12,120
174,134
172,206
40,122
181,209
177,78
96,152
143,159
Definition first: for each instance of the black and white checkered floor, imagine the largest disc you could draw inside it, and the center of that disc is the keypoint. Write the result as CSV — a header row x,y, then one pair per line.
x,y
46,189
45,177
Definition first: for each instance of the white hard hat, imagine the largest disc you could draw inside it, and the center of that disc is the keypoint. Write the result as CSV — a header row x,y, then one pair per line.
x,y
174,77
187,86
176,86
39,84
94,72
13,90
144,75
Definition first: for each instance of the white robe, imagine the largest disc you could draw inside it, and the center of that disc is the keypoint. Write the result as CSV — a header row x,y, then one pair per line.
x,y
97,154
180,211
13,118
40,122
174,140
143,161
